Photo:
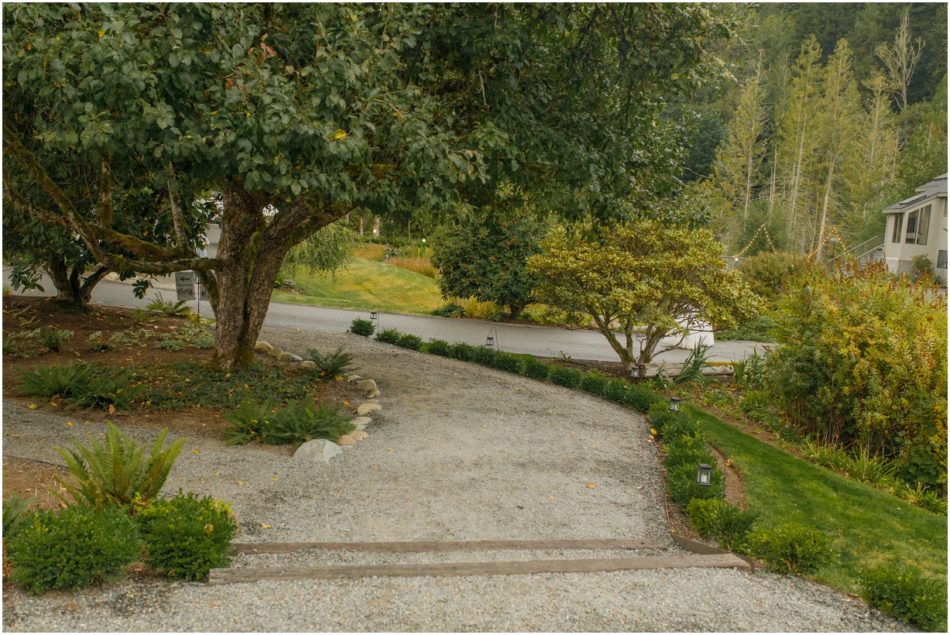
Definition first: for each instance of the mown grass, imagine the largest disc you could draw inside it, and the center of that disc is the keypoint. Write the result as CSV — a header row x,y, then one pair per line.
x,y
868,526
366,284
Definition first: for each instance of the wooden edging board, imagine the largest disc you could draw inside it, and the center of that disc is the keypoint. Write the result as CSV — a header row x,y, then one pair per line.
x,y
520,567
443,545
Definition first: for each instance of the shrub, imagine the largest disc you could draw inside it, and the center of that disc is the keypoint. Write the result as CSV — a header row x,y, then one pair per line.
x,y
791,548
862,360
714,518
906,594
52,338
616,390
759,329
595,383
73,548
186,536
64,380
688,450
113,387
484,355
463,351
770,274
868,469
16,511
167,307
750,372
681,481
756,404
97,342
693,365
187,336
507,362
330,365
410,341
438,347
450,310
535,369
362,327
660,415
680,426
924,498
388,336
641,398
117,471
567,377
297,422
478,310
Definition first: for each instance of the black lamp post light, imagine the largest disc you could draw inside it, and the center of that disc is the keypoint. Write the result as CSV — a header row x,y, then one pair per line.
x,y
492,340
374,318
675,404
704,475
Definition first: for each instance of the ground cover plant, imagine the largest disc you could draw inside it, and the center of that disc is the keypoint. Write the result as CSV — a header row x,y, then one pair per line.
x,y
293,423
332,365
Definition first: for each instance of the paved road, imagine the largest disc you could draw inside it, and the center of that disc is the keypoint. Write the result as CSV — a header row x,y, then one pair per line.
x,y
543,341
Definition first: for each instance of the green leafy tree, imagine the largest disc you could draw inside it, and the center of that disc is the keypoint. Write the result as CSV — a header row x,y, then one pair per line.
x,y
484,255
298,114
648,275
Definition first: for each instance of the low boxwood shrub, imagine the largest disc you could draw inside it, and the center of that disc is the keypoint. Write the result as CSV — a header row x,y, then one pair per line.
x,y
567,377
681,481
506,362
484,355
670,424
681,425
595,383
462,351
535,369
690,450
362,327
410,341
72,548
641,398
388,336
186,536
908,595
616,390
791,548
438,347
715,518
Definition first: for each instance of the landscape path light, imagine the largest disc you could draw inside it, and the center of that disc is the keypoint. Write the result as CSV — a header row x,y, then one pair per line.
x,y
704,475
674,404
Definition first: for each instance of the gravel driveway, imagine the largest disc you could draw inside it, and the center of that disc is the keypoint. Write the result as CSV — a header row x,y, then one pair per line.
x,y
459,452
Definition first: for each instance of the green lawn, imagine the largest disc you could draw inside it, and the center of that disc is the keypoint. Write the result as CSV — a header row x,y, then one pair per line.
x,y
868,526
366,284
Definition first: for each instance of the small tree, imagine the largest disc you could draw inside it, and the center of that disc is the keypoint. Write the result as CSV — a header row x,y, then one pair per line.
x,y
648,274
485,256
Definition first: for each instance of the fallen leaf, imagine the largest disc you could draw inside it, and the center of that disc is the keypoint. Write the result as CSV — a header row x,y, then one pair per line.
x,y
33,406
265,526
69,424
196,451
111,409
591,486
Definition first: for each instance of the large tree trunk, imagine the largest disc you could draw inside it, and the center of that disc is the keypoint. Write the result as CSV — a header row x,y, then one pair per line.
x,y
69,283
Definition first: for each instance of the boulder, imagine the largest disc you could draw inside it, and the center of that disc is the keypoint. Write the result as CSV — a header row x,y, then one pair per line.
x,y
368,407
346,439
317,451
368,385
262,346
359,435
353,378
308,365
289,357
372,394
361,422
275,352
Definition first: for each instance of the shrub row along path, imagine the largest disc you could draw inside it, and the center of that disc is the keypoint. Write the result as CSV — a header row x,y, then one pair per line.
x,y
541,341
460,452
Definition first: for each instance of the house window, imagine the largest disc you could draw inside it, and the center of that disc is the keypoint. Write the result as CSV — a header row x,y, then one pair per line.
x,y
898,225
942,259
918,226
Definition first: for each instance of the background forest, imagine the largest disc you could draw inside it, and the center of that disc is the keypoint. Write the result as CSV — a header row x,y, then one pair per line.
x,y
833,112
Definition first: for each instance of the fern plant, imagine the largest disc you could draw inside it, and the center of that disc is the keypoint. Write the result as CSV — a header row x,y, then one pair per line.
x,y
64,380
333,364
161,305
117,471
15,512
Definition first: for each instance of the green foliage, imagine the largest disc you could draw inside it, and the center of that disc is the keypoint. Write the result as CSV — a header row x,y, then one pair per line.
x,y
449,310
332,365
72,548
438,347
616,390
688,450
536,369
756,404
567,377
117,471
792,548
52,338
462,351
507,362
682,485
483,255
326,251
692,371
362,327
661,416
296,422
16,511
749,372
771,274
595,383
48,381
641,398
388,336
410,341
104,389
862,361
715,518
187,336
905,594
167,307
97,342
758,329
645,274
924,498
186,536
484,355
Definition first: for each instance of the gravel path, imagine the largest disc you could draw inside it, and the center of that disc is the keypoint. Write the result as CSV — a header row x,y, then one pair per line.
x,y
459,452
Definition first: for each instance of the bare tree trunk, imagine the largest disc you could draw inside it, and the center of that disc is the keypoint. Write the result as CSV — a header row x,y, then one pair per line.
x,y
772,184
376,226
824,210
624,353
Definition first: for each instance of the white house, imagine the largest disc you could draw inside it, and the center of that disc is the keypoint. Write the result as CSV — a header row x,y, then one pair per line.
x,y
917,226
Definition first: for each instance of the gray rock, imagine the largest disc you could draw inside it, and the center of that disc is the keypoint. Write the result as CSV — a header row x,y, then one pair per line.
x,y
359,435
369,386
368,407
372,394
263,347
353,378
317,451
308,365
361,422
289,357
